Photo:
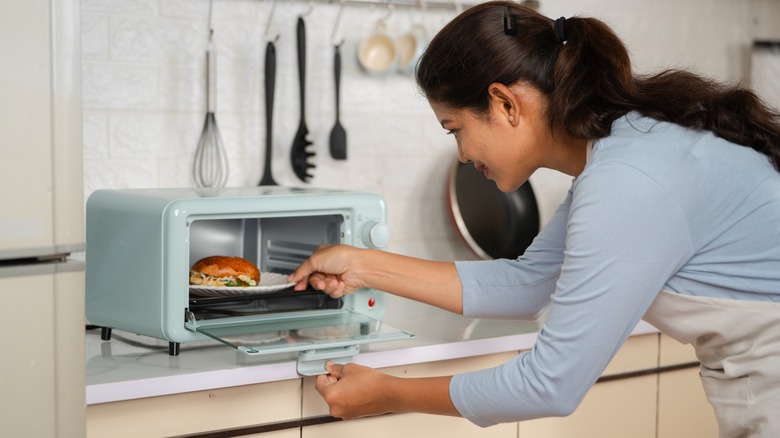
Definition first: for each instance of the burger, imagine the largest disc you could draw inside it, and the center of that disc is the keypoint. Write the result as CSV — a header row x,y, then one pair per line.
x,y
224,271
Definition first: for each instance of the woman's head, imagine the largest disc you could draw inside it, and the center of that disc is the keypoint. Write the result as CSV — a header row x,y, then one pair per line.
x,y
583,76
474,51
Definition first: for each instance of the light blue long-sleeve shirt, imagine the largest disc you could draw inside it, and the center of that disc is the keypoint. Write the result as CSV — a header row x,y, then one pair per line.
x,y
657,207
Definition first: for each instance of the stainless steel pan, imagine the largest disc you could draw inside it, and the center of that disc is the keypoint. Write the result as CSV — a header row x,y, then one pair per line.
x,y
493,224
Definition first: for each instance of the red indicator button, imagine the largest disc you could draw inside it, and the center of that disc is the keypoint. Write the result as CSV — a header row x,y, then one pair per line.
x,y
371,302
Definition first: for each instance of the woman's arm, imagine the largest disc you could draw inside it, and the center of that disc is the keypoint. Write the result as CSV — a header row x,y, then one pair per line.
x,y
520,288
626,236
340,269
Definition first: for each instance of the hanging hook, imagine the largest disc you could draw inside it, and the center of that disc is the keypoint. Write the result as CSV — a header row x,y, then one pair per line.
x,y
211,28
308,10
336,26
424,9
458,6
267,33
390,7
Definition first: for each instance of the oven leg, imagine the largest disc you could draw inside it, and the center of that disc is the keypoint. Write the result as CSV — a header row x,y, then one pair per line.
x,y
173,348
105,333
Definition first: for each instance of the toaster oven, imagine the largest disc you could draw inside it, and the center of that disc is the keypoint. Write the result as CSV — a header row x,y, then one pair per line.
x,y
141,244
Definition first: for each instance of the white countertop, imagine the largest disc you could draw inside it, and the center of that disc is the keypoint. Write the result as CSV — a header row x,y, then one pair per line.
x,y
130,366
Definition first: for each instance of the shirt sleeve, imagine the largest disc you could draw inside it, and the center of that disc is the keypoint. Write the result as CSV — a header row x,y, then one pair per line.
x,y
625,236
521,288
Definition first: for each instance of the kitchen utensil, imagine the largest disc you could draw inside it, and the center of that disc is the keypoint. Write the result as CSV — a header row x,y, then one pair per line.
x,y
493,224
410,47
338,135
377,53
299,153
210,166
270,80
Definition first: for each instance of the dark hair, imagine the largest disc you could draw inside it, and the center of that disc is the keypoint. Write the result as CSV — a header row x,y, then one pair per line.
x,y
588,80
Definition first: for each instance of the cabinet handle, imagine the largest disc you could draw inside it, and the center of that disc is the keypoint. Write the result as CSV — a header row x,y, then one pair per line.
x,y
647,372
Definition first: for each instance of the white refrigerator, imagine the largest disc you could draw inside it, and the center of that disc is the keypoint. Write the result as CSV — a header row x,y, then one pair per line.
x,y
41,220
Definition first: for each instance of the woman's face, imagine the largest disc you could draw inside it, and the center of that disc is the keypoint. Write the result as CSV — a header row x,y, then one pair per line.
x,y
508,144
513,139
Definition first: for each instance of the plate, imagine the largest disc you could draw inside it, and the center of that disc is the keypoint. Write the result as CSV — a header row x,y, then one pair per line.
x,y
269,282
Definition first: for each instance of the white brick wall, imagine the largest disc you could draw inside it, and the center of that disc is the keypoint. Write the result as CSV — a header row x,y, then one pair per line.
x,y
144,95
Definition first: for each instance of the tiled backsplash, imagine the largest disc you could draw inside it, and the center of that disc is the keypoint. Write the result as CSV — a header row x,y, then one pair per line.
x,y
144,95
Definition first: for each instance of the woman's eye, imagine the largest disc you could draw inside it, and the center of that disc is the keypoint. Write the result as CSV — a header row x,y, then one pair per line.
x,y
452,132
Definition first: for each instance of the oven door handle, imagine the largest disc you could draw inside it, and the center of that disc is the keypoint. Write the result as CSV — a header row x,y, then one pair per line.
x,y
312,362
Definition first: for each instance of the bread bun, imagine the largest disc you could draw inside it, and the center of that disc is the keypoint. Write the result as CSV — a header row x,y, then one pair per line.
x,y
224,271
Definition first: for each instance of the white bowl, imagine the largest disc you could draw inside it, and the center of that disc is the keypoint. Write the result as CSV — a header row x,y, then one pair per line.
x,y
410,47
377,54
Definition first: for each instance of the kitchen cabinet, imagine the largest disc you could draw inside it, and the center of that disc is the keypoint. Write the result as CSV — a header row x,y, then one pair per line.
x,y
683,409
632,399
409,425
199,411
622,407
260,404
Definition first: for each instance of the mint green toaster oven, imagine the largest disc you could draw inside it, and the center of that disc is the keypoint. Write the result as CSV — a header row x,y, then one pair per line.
x,y
141,244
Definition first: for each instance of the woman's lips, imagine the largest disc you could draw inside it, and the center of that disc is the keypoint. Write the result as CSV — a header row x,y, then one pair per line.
x,y
482,169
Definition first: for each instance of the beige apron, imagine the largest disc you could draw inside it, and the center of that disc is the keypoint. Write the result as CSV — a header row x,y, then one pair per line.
x,y
738,344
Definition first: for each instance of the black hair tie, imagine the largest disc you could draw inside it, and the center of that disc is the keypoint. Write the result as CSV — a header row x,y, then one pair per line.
x,y
558,28
510,22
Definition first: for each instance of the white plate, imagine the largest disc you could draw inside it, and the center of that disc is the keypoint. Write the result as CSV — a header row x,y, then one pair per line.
x,y
269,282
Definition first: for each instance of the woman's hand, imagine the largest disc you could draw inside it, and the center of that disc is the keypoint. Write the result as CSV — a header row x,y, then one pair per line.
x,y
353,391
339,270
331,269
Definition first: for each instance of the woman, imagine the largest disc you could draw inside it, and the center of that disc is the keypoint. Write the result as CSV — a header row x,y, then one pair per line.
x,y
673,216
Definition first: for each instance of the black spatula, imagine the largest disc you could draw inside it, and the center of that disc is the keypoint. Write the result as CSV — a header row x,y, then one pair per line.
x,y
338,136
270,79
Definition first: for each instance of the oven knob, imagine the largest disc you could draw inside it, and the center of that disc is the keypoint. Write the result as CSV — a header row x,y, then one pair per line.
x,y
375,234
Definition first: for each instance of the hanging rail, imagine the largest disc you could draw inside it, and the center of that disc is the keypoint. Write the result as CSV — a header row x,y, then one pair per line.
x,y
433,4
423,4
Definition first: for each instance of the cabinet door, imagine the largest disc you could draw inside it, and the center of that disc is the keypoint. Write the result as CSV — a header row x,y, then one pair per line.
x,y
617,408
620,408
408,425
683,409
199,411
27,407
43,345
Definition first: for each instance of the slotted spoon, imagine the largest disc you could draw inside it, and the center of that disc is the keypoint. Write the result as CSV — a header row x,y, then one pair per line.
x,y
300,153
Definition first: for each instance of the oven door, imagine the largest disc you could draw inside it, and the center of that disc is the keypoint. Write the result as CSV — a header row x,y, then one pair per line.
x,y
317,336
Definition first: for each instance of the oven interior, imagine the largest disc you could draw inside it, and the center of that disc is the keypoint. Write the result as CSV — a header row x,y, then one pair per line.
x,y
276,245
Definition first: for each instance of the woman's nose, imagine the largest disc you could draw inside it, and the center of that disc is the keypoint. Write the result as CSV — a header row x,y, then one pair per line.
x,y
462,157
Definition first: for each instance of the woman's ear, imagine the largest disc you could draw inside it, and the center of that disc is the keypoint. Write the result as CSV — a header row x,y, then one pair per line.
x,y
504,103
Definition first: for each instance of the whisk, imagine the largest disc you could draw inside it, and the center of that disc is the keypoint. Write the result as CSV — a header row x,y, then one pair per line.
x,y
210,167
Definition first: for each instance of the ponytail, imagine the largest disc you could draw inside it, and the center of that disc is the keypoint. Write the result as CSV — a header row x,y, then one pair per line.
x,y
591,77
584,69
733,113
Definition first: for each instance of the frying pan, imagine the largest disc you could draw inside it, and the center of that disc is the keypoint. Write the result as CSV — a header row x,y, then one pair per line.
x,y
493,224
